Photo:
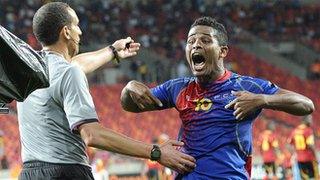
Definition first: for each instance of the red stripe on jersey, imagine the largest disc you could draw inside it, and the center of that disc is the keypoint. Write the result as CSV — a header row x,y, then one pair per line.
x,y
248,165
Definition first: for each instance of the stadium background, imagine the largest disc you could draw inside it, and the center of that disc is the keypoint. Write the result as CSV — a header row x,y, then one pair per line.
x,y
275,40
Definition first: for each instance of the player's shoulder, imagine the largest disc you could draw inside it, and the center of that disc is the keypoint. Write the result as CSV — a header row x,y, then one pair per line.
x,y
247,77
183,81
250,79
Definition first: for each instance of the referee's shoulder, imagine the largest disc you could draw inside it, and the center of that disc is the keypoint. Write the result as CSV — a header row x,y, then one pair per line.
x,y
74,70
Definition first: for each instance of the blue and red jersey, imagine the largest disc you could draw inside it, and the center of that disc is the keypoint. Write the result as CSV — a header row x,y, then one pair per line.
x,y
221,144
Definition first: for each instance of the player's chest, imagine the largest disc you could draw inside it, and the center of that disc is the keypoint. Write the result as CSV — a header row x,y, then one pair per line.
x,y
204,102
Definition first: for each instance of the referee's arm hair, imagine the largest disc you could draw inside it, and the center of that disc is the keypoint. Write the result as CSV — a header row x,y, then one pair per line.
x,y
95,135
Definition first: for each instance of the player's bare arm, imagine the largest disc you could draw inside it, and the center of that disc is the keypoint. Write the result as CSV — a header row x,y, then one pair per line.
x,y
284,100
136,97
94,135
90,61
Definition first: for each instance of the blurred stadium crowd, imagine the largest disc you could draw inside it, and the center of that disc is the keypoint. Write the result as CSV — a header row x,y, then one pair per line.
x,y
162,25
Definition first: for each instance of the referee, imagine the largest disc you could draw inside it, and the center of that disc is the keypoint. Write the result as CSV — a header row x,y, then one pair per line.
x,y
57,123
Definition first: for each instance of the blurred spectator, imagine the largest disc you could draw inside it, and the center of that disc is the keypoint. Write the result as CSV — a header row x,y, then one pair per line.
x,y
1,144
134,69
269,145
182,69
159,69
3,158
99,171
4,162
302,138
142,71
314,70
153,170
15,170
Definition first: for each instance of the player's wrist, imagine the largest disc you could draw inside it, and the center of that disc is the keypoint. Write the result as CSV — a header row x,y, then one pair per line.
x,y
264,101
115,53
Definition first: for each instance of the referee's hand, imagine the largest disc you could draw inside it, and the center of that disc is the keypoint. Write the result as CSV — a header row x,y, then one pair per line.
x,y
126,47
174,159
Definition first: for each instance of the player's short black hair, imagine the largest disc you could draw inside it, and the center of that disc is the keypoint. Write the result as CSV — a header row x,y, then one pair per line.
x,y
49,20
222,36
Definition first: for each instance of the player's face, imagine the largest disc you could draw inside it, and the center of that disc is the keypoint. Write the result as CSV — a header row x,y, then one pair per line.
x,y
74,34
203,52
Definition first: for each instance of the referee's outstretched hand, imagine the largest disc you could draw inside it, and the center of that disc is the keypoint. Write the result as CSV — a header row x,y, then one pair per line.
x,y
126,47
174,159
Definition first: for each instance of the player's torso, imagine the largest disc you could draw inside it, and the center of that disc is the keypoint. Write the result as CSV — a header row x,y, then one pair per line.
x,y
206,123
210,131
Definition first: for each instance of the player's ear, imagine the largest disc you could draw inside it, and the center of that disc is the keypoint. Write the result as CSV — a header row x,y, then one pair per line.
x,y
223,51
65,32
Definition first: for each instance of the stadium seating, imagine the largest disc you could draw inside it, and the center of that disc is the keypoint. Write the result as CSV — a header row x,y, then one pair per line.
x,y
279,21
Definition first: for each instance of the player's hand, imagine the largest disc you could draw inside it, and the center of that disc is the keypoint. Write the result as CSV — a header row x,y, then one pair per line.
x,y
142,97
174,159
245,103
126,47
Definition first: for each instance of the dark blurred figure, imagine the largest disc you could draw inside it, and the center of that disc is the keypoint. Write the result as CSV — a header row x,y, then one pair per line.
x,y
4,162
143,71
3,158
314,70
134,69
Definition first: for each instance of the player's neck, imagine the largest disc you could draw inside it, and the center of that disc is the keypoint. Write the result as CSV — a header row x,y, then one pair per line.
x,y
59,50
215,76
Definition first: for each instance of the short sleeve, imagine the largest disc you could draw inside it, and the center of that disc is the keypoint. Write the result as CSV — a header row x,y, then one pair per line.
x,y
268,87
163,93
256,85
261,86
77,101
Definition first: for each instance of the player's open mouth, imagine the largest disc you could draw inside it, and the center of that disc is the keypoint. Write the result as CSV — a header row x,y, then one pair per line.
x,y
198,61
